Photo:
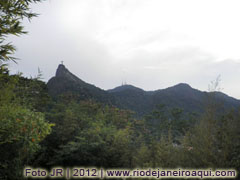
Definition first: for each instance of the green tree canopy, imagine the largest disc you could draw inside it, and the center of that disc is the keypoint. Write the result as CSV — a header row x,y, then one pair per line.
x,y
12,12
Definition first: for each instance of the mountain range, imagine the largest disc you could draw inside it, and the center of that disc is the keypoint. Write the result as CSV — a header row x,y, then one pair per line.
x,y
136,99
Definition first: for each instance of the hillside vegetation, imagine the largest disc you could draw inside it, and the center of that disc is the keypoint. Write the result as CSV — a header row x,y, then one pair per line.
x,y
43,128
70,123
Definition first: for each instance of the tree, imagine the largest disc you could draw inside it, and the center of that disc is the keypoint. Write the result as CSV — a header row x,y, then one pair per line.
x,y
21,128
89,134
214,140
12,12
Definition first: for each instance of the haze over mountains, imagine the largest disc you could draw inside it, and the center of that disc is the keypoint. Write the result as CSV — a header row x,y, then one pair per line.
x,y
133,98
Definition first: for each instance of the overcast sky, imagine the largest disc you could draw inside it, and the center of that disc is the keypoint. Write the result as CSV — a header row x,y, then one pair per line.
x,y
151,44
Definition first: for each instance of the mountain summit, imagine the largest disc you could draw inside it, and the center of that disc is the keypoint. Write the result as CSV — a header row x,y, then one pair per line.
x,y
125,87
66,83
183,96
62,71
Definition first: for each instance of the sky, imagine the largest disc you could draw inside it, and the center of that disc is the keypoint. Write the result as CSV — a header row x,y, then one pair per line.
x,y
151,44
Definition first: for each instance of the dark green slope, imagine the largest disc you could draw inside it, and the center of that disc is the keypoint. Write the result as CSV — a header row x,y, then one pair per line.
x,y
133,98
66,83
179,96
143,102
129,97
182,96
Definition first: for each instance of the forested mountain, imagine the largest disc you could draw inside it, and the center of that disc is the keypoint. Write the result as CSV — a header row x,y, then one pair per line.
x,y
132,98
68,129
69,123
67,84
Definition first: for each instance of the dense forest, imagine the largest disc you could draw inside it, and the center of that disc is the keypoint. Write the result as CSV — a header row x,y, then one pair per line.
x,y
40,127
42,131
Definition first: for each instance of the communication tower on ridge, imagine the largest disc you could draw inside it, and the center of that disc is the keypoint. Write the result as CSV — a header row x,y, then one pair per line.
x,y
124,83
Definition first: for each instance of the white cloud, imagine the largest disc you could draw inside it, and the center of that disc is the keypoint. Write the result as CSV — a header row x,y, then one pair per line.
x,y
150,43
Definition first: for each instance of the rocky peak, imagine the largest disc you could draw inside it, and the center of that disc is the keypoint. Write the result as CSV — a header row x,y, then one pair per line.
x,y
61,71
